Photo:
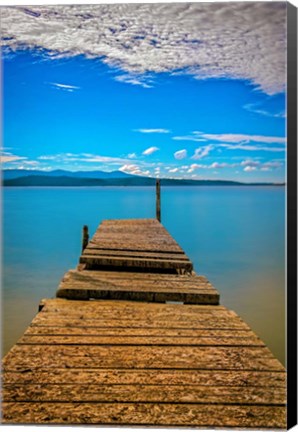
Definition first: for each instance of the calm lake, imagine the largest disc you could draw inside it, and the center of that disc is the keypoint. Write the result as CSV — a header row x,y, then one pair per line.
x,y
235,236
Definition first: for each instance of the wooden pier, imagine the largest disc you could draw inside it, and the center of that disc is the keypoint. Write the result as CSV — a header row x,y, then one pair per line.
x,y
135,337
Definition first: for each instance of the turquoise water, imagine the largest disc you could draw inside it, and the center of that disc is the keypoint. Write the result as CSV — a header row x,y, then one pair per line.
x,y
234,235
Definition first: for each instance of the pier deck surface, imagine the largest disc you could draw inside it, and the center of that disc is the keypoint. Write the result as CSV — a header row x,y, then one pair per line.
x,y
116,361
135,244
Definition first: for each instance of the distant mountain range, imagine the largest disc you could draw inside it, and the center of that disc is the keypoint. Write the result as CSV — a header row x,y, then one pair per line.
x,y
13,177
17,173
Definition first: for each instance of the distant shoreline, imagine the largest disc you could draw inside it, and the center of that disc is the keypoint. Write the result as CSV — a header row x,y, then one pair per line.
x,y
60,178
164,182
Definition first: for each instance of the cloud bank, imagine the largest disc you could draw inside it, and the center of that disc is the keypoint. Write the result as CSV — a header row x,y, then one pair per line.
x,y
241,40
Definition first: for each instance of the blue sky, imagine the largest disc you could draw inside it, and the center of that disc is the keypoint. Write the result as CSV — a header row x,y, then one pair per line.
x,y
146,102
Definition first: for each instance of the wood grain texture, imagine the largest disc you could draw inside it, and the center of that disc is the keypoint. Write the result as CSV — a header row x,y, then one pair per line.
x,y
142,244
209,415
143,356
143,393
220,378
85,284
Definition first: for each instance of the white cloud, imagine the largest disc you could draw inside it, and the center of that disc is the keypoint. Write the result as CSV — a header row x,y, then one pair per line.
x,y
180,154
188,138
131,155
150,150
173,170
134,80
202,152
134,169
50,157
217,165
250,163
249,168
252,147
233,142
196,166
129,167
219,40
255,108
146,131
242,138
66,87
8,157
273,164
84,158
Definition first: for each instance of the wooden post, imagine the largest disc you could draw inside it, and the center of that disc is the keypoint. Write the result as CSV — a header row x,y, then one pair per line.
x,y
158,200
85,237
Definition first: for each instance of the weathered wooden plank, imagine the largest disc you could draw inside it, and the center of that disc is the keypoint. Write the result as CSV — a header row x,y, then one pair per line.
x,y
128,309
142,393
85,284
145,295
139,340
140,288
125,244
151,239
124,279
175,357
130,221
149,308
163,320
146,235
83,321
220,378
138,332
172,317
90,250
166,317
131,255
121,277
137,295
98,247
94,262
146,414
